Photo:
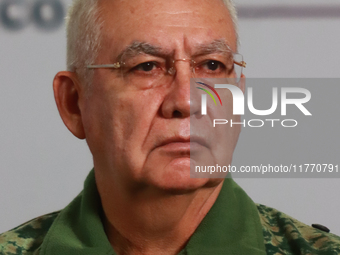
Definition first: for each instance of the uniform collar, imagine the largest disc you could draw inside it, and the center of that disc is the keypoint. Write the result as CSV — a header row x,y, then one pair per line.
x,y
78,229
232,226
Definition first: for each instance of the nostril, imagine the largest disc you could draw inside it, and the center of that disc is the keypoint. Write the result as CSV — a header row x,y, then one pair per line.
x,y
177,114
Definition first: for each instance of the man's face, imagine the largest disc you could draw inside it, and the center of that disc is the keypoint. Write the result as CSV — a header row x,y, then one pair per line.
x,y
141,136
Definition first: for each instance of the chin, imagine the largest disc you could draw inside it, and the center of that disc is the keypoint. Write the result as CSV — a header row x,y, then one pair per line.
x,y
175,178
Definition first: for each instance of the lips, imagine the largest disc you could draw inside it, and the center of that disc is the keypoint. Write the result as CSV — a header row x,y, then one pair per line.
x,y
199,140
182,143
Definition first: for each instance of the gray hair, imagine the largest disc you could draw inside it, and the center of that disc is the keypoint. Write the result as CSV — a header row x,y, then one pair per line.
x,y
84,35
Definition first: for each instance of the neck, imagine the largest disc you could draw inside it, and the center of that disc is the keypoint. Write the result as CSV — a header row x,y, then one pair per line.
x,y
154,222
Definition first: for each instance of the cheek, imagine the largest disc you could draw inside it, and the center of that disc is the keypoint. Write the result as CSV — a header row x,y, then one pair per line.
x,y
119,120
225,133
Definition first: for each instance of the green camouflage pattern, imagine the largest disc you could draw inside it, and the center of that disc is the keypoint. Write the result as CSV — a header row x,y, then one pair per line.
x,y
286,235
27,238
282,235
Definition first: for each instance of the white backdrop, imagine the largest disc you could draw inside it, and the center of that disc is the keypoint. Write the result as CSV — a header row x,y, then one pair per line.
x,y
43,166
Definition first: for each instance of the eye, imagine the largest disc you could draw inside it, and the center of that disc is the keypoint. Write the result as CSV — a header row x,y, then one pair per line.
x,y
213,65
146,67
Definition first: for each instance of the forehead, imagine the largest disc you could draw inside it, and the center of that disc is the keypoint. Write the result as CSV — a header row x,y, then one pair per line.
x,y
173,25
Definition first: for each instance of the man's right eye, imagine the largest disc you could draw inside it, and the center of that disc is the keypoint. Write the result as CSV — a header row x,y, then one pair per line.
x,y
146,67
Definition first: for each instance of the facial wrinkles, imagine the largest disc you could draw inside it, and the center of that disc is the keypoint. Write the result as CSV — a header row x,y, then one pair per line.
x,y
193,29
137,47
177,20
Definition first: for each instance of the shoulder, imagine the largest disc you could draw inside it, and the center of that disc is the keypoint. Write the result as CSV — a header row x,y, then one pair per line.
x,y
26,238
286,235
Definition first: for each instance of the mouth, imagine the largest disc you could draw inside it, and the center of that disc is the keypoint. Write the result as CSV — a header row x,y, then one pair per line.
x,y
182,145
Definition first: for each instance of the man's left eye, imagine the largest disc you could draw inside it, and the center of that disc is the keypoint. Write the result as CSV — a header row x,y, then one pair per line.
x,y
213,65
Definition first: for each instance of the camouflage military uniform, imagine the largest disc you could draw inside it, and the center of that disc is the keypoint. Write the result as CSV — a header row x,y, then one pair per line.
x,y
28,237
285,235
278,233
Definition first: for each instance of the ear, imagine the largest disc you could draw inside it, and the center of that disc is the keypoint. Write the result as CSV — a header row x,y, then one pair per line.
x,y
242,83
67,93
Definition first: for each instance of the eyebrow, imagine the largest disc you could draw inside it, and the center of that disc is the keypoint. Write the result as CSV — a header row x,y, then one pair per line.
x,y
137,47
216,46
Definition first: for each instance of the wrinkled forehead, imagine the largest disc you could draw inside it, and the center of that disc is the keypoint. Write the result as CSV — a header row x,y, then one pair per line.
x,y
173,25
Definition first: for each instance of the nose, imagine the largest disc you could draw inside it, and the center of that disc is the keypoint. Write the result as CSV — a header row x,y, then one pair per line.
x,y
177,103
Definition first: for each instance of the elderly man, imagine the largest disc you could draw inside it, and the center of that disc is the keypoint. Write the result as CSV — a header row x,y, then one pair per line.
x,y
127,92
